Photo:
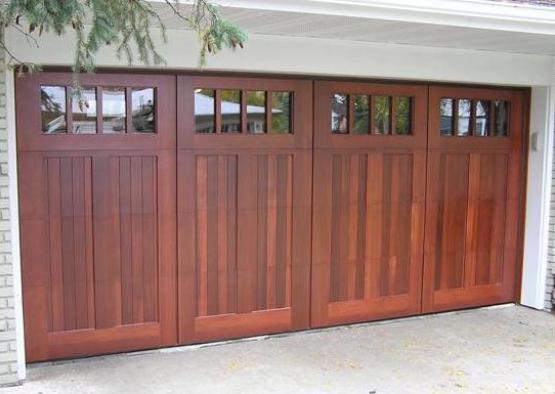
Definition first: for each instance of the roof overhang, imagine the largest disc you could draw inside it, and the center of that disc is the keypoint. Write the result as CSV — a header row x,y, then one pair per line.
x,y
468,24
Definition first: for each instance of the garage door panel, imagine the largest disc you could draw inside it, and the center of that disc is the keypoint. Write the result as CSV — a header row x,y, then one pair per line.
x,y
473,200
97,218
369,200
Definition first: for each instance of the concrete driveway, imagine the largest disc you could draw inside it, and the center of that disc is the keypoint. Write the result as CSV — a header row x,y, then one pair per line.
x,y
505,349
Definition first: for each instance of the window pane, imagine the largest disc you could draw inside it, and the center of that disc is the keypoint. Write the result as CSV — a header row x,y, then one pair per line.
x,y
446,116
113,110
84,112
143,108
402,115
281,112
464,117
482,118
361,114
382,115
231,111
53,109
339,111
501,109
256,112
204,111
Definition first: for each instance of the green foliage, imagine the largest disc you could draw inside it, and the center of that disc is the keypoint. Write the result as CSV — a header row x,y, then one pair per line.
x,y
124,24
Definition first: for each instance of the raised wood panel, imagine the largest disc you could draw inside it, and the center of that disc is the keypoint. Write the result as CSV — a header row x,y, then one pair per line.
x,y
368,232
241,213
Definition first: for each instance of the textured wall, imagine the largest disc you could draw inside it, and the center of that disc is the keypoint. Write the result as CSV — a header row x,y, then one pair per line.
x,y
550,283
8,356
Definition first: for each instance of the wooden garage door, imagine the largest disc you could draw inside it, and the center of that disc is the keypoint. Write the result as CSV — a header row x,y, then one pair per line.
x,y
244,187
97,210
369,195
474,196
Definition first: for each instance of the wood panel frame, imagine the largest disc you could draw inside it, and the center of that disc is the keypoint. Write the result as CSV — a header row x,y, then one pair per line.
x,y
372,305
246,148
469,294
34,148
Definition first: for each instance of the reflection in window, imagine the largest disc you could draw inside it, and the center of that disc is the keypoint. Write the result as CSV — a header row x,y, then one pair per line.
x,y
281,112
256,112
143,107
231,111
482,118
84,112
463,128
382,115
361,114
113,110
339,111
446,116
501,117
402,115
204,111
53,109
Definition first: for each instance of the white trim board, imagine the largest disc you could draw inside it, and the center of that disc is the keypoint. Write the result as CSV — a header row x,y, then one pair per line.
x,y
293,55
538,198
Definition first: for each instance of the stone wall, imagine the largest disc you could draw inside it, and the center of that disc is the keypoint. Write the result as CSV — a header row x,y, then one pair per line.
x,y
8,354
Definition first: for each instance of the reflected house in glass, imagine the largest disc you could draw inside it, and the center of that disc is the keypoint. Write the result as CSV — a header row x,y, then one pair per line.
x,y
230,115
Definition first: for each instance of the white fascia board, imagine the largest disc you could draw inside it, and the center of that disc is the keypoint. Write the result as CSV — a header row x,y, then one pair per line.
x,y
477,14
309,56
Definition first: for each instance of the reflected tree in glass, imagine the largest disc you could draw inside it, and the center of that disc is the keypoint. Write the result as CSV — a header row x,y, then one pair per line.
x,y
143,108
361,114
53,109
446,116
281,112
464,106
382,116
402,115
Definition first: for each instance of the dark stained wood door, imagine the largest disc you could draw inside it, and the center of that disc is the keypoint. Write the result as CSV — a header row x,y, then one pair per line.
x,y
244,187
474,197
368,201
97,212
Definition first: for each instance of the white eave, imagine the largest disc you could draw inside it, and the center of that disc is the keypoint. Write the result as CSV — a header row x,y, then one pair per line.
x,y
469,24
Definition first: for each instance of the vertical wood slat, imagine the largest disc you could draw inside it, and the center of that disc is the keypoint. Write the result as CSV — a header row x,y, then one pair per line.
x,y
246,229
353,228
374,224
282,257
150,238
137,256
262,229
80,258
232,226
68,245
469,265
289,232
107,243
202,235
89,256
386,226
125,240
55,243
222,235
211,236
336,202
271,233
